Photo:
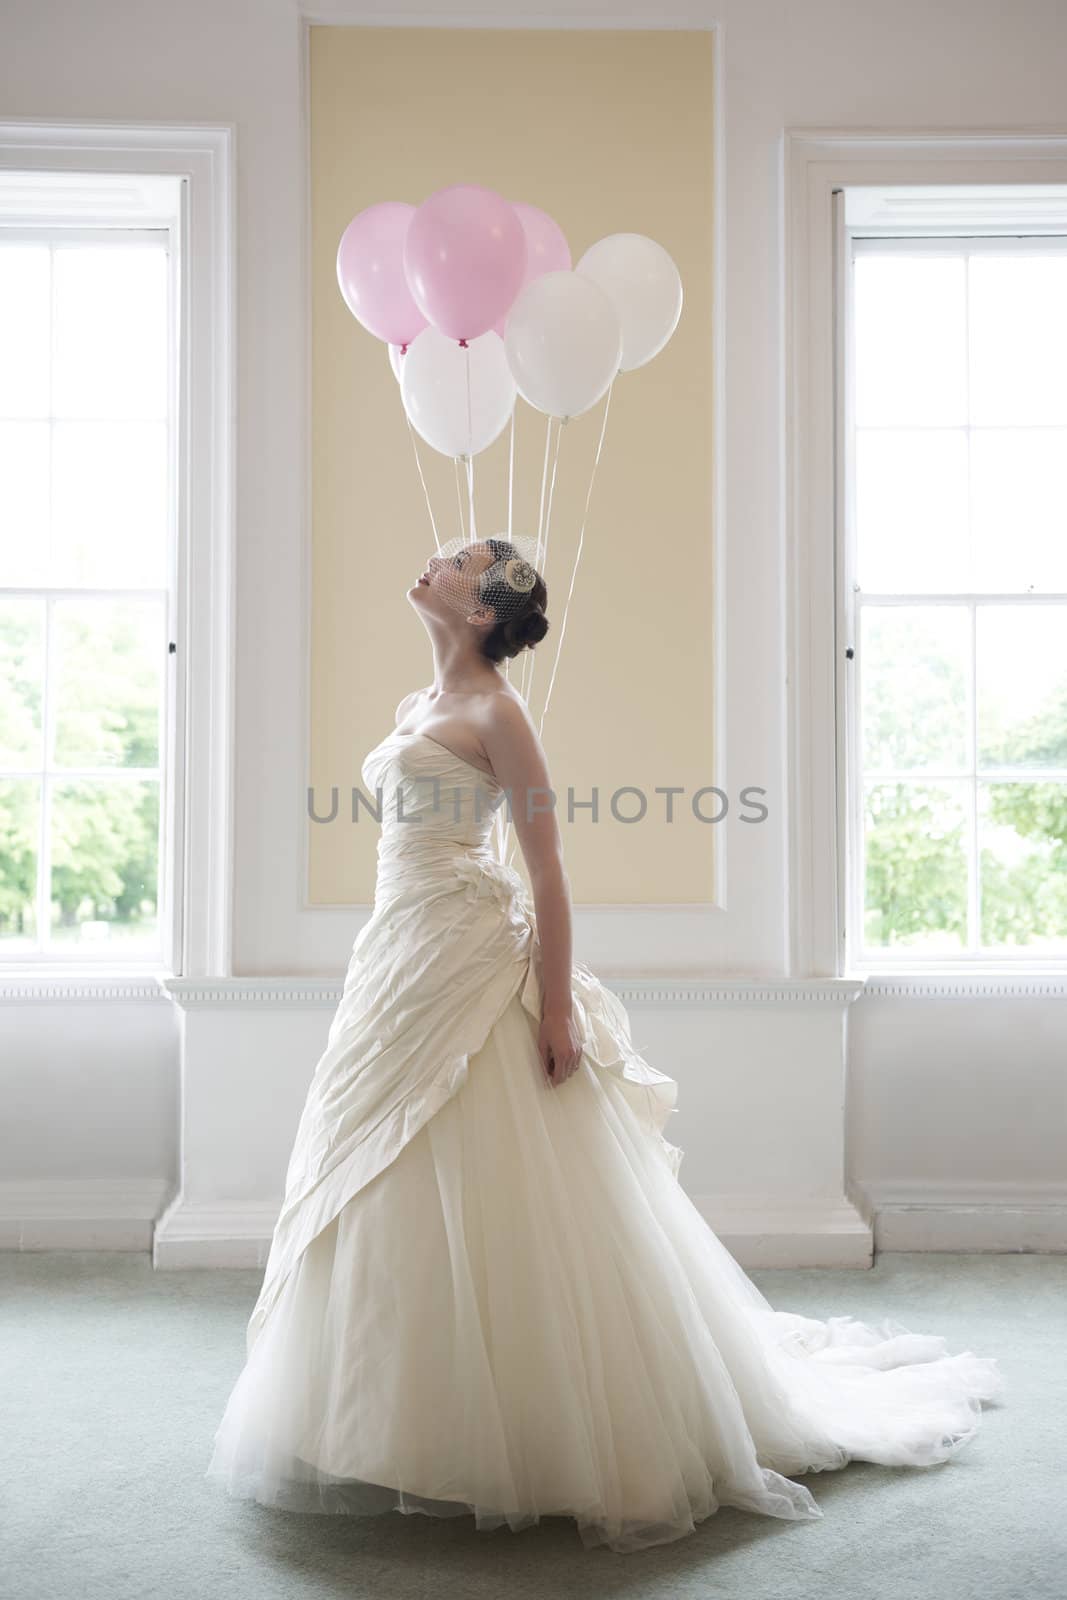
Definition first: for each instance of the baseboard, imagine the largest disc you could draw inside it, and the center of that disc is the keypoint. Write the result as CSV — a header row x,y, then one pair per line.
x,y
944,1215
217,1234
121,1214
774,1231
80,1213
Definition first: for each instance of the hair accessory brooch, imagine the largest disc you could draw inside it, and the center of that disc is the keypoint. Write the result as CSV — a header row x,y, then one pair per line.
x,y
518,574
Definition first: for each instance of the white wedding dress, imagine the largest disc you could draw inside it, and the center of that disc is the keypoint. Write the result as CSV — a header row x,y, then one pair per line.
x,y
488,1295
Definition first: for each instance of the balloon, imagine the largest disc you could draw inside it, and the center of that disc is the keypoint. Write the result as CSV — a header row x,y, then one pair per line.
x,y
370,272
563,343
464,257
396,361
547,249
433,384
642,282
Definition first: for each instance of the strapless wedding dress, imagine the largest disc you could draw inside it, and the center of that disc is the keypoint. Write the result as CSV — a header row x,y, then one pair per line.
x,y
485,1295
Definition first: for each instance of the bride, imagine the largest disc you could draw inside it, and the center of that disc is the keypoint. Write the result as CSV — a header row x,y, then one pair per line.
x,y
487,1292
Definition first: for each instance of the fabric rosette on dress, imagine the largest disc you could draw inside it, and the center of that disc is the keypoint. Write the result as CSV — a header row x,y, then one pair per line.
x,y
486,877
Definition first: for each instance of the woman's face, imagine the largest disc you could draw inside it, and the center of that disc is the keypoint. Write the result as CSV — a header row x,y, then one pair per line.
x,y
450,580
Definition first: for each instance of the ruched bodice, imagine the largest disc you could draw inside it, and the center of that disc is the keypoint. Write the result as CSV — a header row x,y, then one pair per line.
x,y
441,823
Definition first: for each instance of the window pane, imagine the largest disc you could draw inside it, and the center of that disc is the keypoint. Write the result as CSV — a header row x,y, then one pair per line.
x,y
914,668
1022,838
910,340
20,805
1019,508
104,842
109,504
1018,345
21,680
916,867
25,295
23,502
1022,686
110,331
106,662
911,510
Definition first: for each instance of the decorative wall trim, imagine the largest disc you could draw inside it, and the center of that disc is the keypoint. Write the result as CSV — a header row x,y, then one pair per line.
x,y
51,987
195,993
295,991
736,991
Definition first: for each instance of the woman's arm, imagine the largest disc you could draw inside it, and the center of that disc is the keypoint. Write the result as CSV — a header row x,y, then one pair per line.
x,y
518,759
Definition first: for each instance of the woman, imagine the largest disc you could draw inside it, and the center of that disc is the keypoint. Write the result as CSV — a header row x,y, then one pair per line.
x,y
487,1292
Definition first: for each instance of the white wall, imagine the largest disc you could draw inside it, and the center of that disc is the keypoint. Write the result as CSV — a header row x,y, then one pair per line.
x,y
928,1105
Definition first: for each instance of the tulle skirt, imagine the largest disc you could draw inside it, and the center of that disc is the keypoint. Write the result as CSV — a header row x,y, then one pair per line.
x,y
524,1315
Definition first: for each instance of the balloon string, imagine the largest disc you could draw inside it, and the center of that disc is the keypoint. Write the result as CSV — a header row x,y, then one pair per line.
x,y
472,533
577,555
525,673
470,497
422,479
511,468
544,481
548,526
530,662
459,499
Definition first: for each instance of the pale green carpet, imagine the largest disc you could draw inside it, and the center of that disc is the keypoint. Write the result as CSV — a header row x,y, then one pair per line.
x,y
113,1378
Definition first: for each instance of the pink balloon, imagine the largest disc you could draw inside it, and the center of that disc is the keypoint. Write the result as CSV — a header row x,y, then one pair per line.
x,y
370,272
464,256
547,249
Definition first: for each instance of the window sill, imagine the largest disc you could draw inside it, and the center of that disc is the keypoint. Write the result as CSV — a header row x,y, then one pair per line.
x,y
44,983
956,983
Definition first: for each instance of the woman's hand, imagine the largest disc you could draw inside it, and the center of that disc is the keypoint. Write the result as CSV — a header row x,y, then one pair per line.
x,y
560,1046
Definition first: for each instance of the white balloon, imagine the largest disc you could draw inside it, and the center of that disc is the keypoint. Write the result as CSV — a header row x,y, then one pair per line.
x,y
433,385
643,284
563,343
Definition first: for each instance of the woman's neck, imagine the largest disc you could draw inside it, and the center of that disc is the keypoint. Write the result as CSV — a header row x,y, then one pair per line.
x,y
462,672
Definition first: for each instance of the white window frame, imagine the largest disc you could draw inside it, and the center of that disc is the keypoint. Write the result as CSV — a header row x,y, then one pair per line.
x,y
859,242
197,831
818,166
152,233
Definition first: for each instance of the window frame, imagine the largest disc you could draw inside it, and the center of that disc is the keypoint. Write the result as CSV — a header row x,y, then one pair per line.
x,y
818,166
169,771
859,242
197,828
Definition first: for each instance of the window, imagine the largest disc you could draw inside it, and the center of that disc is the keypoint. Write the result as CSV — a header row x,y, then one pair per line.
x,y
954,544
87,585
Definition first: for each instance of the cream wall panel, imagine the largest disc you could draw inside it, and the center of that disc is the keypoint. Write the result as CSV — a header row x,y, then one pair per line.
x,y
609,133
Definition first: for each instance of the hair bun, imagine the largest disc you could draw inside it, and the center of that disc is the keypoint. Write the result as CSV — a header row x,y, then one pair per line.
x,y
535,626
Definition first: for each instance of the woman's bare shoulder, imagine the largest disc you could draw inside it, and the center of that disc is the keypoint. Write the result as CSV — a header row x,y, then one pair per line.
x,y
505,713
407,704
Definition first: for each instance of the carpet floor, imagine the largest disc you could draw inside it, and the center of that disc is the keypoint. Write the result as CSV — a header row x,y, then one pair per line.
x,y
113,1378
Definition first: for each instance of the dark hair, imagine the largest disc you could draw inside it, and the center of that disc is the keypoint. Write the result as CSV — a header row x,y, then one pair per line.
x,y
519,630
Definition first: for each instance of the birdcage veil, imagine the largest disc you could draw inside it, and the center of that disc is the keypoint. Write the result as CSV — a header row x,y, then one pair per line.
x,y
495,573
